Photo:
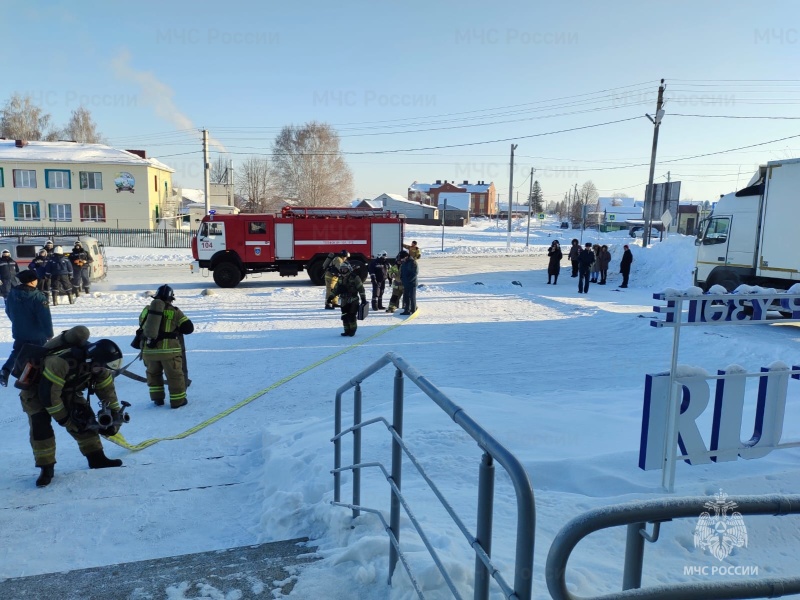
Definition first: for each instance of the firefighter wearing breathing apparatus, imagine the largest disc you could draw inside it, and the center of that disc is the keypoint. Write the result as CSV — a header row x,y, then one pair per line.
x,y
55,383
163,326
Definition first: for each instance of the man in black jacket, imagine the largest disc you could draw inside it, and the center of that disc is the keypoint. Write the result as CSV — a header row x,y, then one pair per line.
x,y
378,273
585,262
8,273
81,268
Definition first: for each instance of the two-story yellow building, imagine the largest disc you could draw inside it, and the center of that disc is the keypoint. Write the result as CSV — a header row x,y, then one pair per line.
x,y
67,184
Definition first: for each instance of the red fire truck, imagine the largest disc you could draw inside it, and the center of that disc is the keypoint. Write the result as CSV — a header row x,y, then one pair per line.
x,y
234,246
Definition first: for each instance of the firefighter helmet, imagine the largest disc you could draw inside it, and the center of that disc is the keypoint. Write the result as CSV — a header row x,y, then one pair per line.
x,y
104,352
165,293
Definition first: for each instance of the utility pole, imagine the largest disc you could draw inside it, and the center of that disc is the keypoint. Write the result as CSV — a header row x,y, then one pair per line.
x,y
575,200
569,207
510,196
530,204
231,192
206,171
656,126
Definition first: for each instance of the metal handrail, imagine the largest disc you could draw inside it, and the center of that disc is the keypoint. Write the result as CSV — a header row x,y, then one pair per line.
x,y
636,516
493,451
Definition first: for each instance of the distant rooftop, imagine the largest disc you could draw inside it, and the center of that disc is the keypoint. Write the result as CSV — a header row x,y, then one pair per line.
x,y
473,188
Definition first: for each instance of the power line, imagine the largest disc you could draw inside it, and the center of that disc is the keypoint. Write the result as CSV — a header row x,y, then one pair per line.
x,y
733,117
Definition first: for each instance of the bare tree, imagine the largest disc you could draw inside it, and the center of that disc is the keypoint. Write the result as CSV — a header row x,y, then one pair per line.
x,y
219,170
256,185
82,128
589,193
310,168
21,119
620,195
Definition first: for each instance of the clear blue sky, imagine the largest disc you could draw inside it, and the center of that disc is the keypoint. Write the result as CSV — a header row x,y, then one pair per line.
x,y
154,72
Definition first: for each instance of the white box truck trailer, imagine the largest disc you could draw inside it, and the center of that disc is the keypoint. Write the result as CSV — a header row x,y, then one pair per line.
x,y
751,237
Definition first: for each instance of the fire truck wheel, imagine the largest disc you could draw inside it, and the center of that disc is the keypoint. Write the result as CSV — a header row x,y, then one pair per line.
x,y
227,275
359,268
316,273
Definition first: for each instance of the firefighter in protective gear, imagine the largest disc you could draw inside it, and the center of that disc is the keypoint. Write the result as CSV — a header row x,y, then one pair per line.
x,y
332,277
163,327
74,366
413,250
349,288
397,287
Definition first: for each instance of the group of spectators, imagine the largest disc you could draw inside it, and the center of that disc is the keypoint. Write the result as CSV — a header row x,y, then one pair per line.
x,y
589,264
56,273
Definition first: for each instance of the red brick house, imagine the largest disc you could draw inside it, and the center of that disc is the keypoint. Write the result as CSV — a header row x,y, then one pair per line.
x,y
483,196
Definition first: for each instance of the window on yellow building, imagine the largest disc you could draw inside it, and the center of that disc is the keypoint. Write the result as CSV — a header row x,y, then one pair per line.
x,y
91,180
93,212
24,178
26,211
60,212
57,179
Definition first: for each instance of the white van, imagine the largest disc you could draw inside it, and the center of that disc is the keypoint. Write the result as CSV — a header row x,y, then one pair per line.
x,y
24,249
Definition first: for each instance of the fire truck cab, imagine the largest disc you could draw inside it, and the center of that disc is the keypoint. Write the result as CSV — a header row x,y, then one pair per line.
x,y
234,246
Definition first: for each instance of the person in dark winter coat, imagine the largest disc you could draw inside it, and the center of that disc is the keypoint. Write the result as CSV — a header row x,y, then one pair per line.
x,y
81,269
409,270
59,269
603,258
30,318
378,273
49,248
574,252
349,288
8,273
554,266
625,266
38,265
585,261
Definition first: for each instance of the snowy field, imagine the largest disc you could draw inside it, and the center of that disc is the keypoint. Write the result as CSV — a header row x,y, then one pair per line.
x,y
555,376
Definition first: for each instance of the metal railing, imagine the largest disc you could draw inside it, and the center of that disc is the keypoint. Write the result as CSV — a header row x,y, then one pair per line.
x,y
493,451
636,516
109,237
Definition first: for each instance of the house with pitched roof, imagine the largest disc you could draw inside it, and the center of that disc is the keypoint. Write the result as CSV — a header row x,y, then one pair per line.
x,y
483,196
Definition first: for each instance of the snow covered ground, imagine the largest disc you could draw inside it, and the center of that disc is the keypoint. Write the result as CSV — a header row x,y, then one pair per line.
x,y
555,376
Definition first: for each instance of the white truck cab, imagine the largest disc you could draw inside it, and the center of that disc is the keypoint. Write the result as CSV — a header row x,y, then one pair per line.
x,y
750,238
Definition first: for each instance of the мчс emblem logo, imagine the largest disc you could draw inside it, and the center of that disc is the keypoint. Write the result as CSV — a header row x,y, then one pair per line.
x,y
720,532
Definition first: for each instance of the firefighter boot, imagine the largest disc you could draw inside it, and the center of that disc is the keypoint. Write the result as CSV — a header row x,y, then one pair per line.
x,y
71,298
374,305
55,297
98,460
46,476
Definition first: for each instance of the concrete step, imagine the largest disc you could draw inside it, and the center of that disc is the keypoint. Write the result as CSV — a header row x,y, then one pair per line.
x,y
249,572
